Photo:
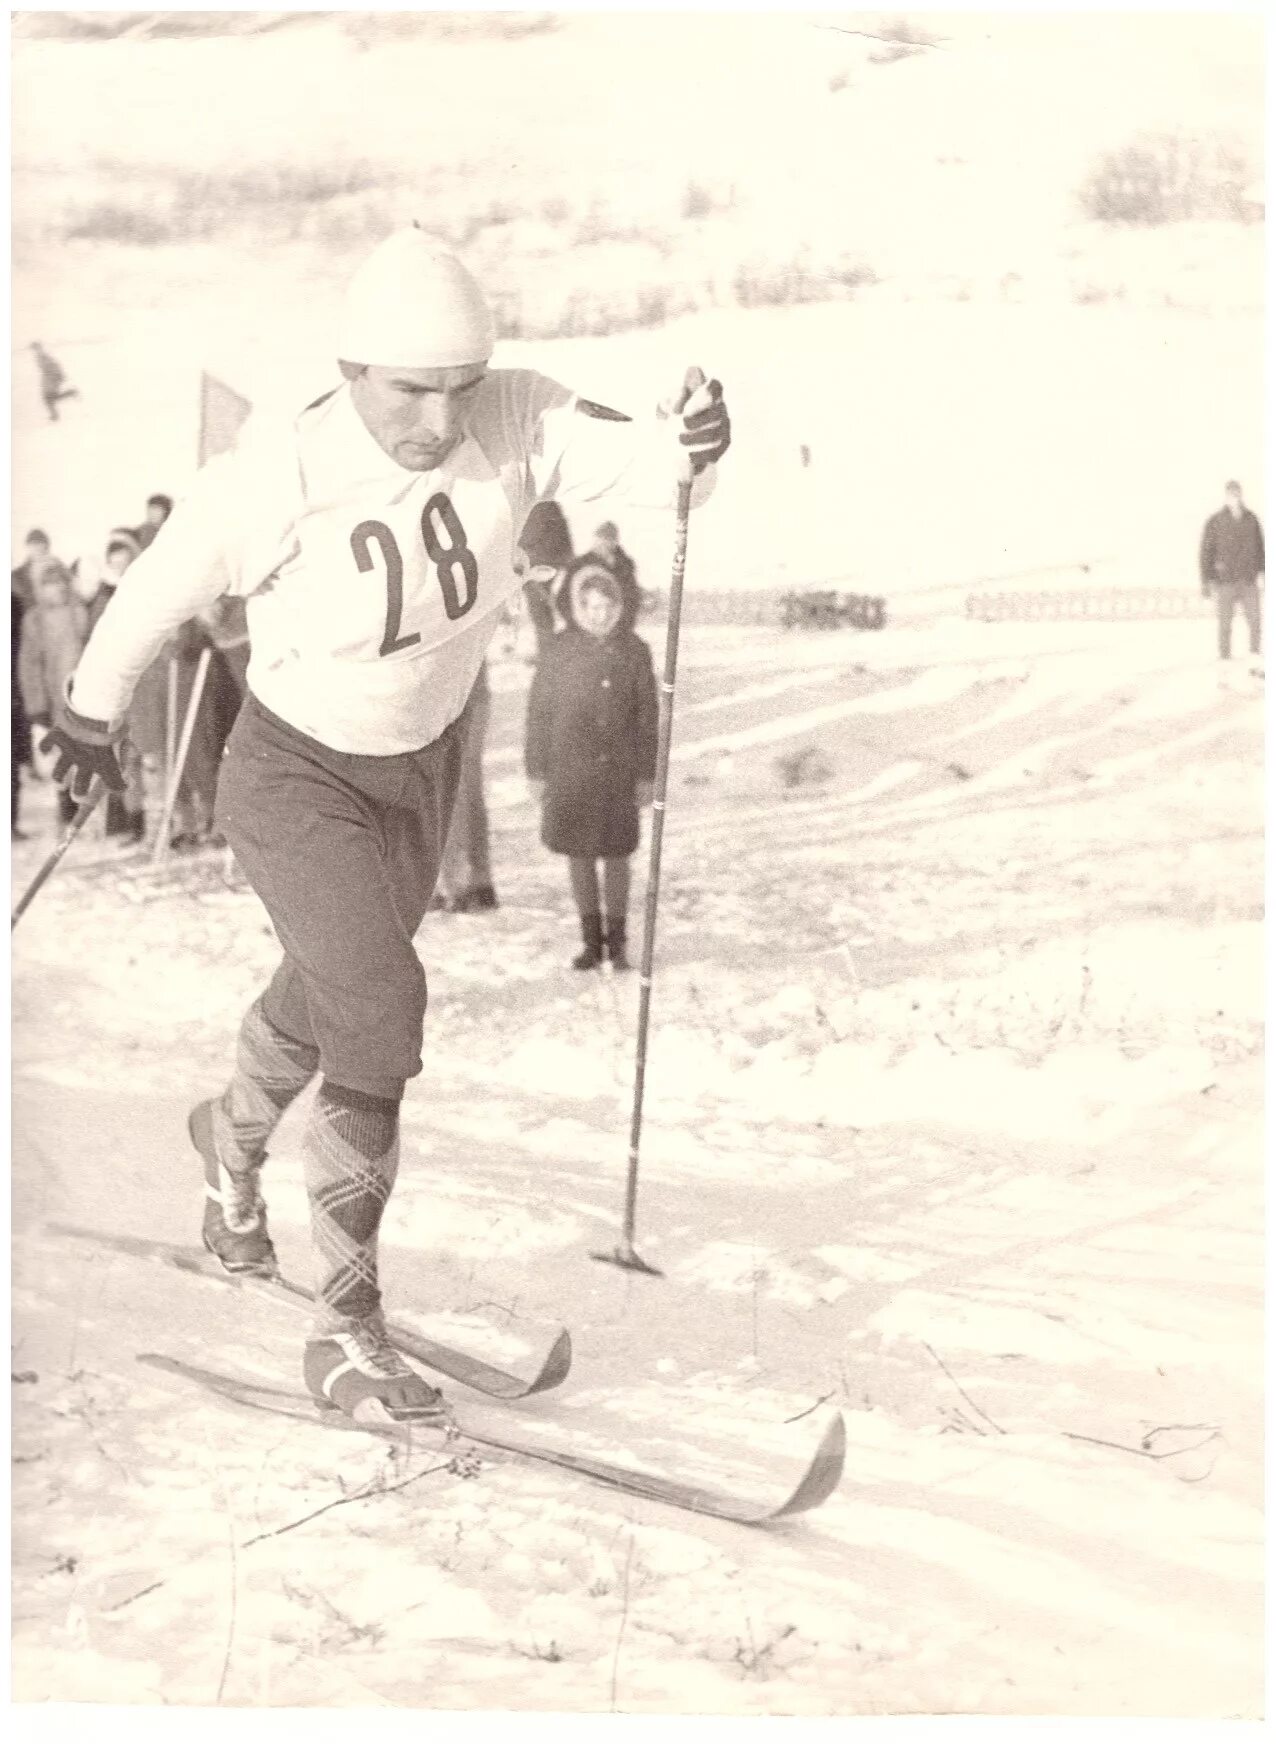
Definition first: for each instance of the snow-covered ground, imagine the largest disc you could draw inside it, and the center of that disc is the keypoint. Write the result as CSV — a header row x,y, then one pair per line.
x,y
954,1123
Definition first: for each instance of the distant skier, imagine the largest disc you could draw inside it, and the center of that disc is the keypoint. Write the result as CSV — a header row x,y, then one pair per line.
x,y
591,748
53,385
1232,568
372,537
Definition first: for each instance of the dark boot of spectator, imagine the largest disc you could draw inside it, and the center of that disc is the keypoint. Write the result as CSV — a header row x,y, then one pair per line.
x,y
615,940
591,930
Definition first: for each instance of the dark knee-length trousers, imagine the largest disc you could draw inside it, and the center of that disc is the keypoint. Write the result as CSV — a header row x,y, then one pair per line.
x,y
344,852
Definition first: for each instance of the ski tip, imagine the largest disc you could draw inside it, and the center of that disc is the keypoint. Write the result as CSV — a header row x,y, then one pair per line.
x,y
823,1472
558,1363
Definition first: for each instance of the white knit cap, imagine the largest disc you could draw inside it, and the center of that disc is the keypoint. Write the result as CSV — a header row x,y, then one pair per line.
x,y
411,303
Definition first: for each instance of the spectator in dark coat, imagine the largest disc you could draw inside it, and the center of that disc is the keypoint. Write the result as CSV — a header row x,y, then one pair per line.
x,y
1233,567
54,630
95,586
19,724
465,875
547,543
22,578
606,545
197,795
591,749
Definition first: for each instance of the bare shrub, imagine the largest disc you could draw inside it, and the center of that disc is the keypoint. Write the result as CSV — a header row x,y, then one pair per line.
x,y
1160,179
193,206
700,201
118,222
798,281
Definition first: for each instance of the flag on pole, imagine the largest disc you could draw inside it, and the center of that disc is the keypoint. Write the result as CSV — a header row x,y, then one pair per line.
x,y
222,411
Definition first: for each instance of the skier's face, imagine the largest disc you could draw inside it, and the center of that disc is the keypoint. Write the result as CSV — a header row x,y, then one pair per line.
x,y
417,414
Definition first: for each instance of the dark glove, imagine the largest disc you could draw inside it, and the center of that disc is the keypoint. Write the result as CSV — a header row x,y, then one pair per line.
x,y
706,425
87,749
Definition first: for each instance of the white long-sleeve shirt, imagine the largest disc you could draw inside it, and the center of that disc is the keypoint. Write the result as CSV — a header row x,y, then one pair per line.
x,y
371,591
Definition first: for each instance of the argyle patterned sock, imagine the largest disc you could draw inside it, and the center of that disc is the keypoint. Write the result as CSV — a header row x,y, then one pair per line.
x,y
351,1156
270,1070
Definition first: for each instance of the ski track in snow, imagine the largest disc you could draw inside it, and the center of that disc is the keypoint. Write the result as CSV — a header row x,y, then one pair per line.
x,y
911,1111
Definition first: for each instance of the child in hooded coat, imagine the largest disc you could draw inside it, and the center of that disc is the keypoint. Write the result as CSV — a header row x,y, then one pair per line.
x,y
591,748
54,630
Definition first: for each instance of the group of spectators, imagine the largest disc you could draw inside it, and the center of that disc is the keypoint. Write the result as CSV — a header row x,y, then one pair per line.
x,y
54,608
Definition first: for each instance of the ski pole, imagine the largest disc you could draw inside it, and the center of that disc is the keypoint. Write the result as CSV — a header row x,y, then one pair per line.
x,y
92,798
624,1254
170,723
160,847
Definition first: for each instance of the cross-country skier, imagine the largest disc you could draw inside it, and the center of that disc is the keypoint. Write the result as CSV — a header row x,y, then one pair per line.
x,y
373,540
53,385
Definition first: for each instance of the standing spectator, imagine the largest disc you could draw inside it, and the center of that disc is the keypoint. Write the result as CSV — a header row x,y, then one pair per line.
x,y
158,507
95,586
197,792
227,682
465,876
54,630
1232,568
22,578
227,624
547,543
606,545
220,697
19,724
53,384
591,749
126,811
